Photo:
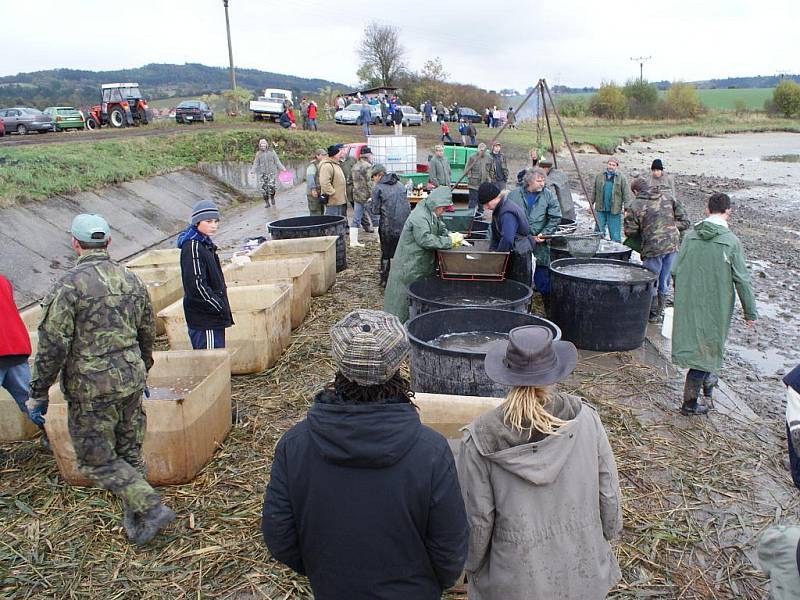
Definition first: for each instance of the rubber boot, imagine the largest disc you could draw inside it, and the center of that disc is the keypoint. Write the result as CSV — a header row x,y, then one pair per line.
x,y
366,223
354,243
691,391
131,522
151,522
709,383
385,265
656,304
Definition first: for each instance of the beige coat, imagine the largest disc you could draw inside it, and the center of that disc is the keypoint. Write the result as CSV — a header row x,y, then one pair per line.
x,y
332,181
541,512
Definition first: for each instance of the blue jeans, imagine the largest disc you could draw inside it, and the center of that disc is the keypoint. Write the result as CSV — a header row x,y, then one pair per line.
x,y
358,214
612,222
541,279
336,211
365,128
17,381
473,198
207,339
661,265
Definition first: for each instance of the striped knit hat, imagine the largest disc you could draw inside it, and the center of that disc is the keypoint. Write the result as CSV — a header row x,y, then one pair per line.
x,y
205,210
368,346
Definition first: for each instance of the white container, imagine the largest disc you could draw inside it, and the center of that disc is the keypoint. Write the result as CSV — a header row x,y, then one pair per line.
x,y
398,153
666,326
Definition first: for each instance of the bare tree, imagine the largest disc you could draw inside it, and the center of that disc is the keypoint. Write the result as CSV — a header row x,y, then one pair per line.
x,y
381,53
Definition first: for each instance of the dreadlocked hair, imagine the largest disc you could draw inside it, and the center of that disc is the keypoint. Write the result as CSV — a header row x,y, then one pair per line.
x,y
524,411
396,389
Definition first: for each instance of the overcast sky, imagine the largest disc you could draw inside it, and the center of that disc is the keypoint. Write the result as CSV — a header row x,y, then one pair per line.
x,y
502,44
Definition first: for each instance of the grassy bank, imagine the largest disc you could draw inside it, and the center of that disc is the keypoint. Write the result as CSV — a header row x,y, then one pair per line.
x,y
713,99
37,172
607,135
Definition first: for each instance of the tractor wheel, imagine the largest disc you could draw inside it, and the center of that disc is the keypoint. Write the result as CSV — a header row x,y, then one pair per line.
x,y
92,124
117,118
21,129
142,116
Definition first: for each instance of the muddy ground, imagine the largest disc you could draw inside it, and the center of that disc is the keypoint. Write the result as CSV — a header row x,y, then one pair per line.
x,y
697,492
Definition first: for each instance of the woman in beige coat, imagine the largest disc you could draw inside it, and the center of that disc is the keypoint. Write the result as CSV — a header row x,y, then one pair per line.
x,y
539,482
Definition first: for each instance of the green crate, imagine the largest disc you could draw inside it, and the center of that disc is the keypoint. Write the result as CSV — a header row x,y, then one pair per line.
x,y
469,152
456,173
450,153
459,220
415,178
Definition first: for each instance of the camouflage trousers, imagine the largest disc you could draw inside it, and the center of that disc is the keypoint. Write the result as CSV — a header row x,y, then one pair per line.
x,y
268,187
107,434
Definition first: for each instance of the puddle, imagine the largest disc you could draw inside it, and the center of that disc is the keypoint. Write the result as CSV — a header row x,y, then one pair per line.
x,y
766,361
788,158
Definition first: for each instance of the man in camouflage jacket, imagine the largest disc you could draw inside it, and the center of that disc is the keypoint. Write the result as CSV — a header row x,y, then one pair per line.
x,y
97,329
656,219
362,190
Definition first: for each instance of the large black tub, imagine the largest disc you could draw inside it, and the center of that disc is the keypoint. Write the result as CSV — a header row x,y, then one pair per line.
x,y
314,226
608,249
433,293
439,367
601,304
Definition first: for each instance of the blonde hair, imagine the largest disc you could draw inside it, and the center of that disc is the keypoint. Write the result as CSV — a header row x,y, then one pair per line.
x,y
524,411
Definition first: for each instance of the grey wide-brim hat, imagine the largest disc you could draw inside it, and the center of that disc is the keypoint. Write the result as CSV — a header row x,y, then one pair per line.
x,y
530,358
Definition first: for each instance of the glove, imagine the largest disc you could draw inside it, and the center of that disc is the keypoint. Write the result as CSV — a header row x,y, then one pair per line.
x,y
323,198
36,408
456,239
146,392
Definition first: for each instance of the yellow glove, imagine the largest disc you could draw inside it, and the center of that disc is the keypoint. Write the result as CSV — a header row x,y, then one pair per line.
x,y
456,238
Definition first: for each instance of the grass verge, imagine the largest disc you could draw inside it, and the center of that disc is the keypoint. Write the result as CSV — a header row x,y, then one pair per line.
x,y
38,172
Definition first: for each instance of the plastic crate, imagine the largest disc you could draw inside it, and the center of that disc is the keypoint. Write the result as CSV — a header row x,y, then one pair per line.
x,y
415,178
468,263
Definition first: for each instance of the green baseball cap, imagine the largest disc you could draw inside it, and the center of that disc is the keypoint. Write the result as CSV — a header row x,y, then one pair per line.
x,y
90,228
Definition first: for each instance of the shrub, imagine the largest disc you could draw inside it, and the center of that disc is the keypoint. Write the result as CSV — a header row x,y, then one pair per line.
x,y
786,97
682,101
572,107
642,98
609,102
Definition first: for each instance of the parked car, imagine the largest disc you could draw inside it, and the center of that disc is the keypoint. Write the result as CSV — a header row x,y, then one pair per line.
x,y
22,120
65,117
191,111
351,114
469,115
271,104
411,116
2,128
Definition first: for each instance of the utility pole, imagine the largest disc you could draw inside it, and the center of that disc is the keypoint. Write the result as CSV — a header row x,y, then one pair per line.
x,y
230,47
641,60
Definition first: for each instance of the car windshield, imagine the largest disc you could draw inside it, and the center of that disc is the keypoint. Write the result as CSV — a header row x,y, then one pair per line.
x,y
130,92
67,111
467,111
408,109
277,96
31,111
189,104
353,106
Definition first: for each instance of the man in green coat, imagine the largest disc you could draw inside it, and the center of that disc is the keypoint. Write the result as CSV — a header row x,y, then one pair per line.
x,y
415,257
709,267
544,216
611,196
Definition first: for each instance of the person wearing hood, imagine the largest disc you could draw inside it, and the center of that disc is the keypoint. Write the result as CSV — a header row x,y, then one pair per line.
x,y
539,480
205,296
390,209
363,498
779,555
657,221
423,233
266,165
508,232
709,267
611,197
792,381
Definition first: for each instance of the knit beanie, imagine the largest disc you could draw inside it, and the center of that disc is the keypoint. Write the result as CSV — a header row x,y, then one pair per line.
x,y
487,192
657,165
205,210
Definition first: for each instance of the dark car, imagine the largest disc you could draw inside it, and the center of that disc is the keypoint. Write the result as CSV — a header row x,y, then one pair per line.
x,y
22,120
469,115
192,111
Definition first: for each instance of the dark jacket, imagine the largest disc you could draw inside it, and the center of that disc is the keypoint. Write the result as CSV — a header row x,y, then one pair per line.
x,y
205,297
365,500
397,116
509,228
390,204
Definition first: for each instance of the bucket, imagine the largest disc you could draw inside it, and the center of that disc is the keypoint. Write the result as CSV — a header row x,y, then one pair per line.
x,y
440,370
314,226
185,425
286,179
322,251
433,293
601,304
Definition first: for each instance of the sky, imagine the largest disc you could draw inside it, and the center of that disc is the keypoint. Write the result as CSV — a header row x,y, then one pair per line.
x,y
494,45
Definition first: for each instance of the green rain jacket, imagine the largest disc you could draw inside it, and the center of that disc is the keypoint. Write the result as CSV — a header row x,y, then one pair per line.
x,y
779,555
709,266
415,257
544,217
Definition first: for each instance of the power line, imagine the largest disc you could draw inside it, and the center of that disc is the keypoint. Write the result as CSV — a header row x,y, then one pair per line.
x,y
641,60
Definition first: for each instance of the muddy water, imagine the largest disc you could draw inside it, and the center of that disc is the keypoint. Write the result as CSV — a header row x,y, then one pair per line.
x,y
470,341
468,301
607,272
172,388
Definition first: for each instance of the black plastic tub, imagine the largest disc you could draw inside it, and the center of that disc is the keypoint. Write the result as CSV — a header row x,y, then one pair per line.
x,y
439,370
608,249
314,226
601,304
432,293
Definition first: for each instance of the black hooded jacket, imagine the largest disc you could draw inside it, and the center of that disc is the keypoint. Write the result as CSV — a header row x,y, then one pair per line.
x,y
365,500
390,205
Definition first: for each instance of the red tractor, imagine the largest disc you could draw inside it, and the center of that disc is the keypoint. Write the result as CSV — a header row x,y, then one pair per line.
x,y
122,106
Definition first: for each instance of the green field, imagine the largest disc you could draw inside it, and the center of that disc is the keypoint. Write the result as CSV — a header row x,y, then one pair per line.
x,y
720,99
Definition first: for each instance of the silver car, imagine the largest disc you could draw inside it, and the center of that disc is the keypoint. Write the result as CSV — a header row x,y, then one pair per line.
x,y
411,116
22,120
351,114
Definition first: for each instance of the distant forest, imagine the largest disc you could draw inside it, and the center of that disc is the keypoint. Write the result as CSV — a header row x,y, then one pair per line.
x,y
81,88
758,81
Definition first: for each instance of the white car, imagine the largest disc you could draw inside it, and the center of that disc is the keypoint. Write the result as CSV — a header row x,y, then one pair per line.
x,y
351,114
411,116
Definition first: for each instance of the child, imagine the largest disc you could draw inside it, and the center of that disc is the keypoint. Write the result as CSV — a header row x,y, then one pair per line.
x,y
205,298
446,132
